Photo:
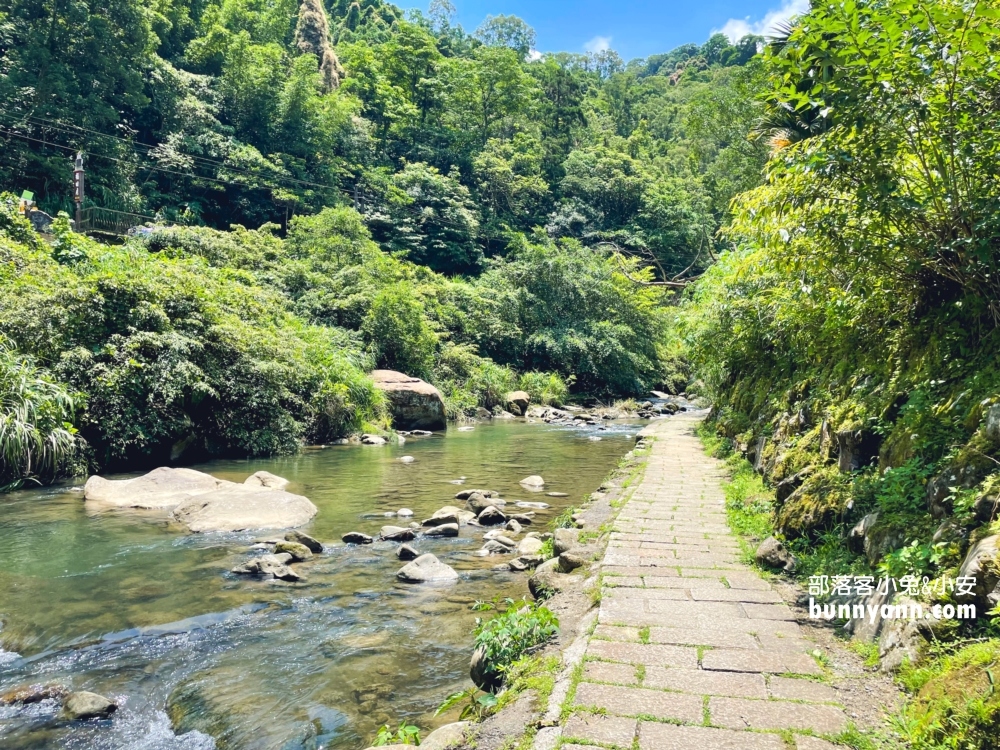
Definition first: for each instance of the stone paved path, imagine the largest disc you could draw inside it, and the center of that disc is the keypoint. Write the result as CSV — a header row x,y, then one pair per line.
x,y
693,649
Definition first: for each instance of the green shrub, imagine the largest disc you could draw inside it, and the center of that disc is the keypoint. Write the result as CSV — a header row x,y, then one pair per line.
x,y
398,332
508,636
38,442
545,387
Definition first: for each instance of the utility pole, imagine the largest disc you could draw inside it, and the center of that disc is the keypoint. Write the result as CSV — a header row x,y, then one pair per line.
x,y
78,185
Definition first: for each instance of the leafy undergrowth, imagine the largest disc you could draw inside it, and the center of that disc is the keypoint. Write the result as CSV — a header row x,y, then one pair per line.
x,y
955,705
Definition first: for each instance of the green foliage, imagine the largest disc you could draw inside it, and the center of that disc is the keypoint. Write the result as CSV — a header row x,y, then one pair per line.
x,y
404,734
955,704
508,636
476,705
399,334
544,388
38,442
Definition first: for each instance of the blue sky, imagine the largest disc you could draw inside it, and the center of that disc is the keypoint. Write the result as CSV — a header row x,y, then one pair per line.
x,y
633,28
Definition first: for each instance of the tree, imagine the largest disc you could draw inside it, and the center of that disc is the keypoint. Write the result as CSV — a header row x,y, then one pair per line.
x,y
312,36
507,31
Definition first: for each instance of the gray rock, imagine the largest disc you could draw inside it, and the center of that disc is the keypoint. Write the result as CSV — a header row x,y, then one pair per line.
x,y
491,516
396,534
513,526
534,483
784,489
445,529
991,423
269,566
41,222
574,558
547,580
525,519
773,554
446,737
904,641
979,562
298,552
494,547
466,494
407,459
479,502
24,695
84,705
312,544
557,494
406,552
372,440
415,405
426,569
565,539
356,537
404,512
986,507
485,677
266,479
857,535
447,514
529,504
161,488
518,402
244,507
529,546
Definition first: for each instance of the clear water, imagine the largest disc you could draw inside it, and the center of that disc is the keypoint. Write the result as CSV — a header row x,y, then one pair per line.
x,y
122,603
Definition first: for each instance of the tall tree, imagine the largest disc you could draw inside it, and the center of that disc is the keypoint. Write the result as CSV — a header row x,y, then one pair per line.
x,y
312,36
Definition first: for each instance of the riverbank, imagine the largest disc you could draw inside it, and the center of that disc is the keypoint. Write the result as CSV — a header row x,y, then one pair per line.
x,y
688,644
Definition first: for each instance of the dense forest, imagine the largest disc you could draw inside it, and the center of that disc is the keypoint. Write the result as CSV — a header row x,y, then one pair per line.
x,y
331,188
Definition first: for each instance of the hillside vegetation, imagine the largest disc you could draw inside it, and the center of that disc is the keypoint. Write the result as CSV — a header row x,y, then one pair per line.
x,y
849,339
334,187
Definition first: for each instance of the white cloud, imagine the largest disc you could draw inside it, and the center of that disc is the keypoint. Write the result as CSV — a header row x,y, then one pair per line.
x,y
736,28
534,55
598,44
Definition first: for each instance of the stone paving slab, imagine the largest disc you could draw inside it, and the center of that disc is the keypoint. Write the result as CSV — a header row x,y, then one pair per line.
x,y
625,701
742,713
608,730
702,682
687,633
654,736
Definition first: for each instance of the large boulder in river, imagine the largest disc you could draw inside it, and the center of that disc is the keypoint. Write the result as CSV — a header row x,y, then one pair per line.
x,y
161,488
517,402
205,503
414,403
242,508
426,569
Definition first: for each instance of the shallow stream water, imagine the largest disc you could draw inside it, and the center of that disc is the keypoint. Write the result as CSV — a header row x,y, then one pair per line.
x,y
124,604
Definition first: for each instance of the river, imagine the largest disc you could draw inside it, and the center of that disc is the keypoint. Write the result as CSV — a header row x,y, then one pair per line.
x,y
123,604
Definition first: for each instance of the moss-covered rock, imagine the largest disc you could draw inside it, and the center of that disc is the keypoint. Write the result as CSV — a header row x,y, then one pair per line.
x,y
816,505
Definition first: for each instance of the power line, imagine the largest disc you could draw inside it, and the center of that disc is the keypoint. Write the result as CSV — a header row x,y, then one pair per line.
x,y
412,210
